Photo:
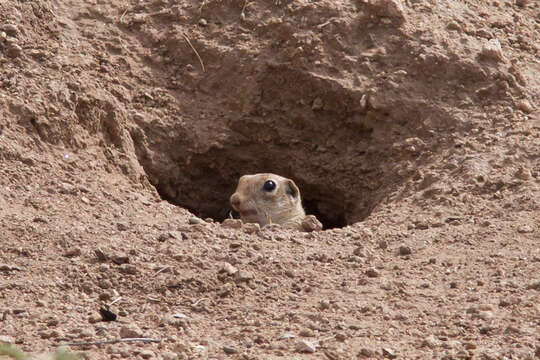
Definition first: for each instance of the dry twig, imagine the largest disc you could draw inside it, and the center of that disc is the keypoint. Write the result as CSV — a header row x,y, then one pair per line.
x,y
195,51
113,341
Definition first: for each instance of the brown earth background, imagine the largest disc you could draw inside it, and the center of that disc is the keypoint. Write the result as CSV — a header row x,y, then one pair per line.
x,y
411,127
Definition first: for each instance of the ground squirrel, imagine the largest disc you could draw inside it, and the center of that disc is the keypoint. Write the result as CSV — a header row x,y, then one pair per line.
x,y
271,199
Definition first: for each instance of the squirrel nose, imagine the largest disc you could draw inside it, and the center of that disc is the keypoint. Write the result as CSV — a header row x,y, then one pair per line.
x,y
235,201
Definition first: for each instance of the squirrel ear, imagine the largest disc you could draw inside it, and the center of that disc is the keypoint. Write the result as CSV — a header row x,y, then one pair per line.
x,y
292,189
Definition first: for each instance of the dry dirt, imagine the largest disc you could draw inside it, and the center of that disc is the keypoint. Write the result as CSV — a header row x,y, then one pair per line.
x,y
411,127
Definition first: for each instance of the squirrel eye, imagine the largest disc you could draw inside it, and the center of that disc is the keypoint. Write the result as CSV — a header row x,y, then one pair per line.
x,y
269,185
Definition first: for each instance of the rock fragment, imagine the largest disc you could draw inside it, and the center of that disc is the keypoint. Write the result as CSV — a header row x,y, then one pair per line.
x,y
229,350
431,342
195,220
311,223
6,267
492,50
286,336
232,223
229,269
10,29
304,346
404,250
324,304
244,276
372,273
534,286
14,50
366,353
525,106
147,354
72,252
121,226
387,8
130,331
6,339
389,353
251,228
525,229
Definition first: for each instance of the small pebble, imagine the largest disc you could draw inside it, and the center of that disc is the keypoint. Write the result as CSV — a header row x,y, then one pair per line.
x,y
383,244
251,228
232,223
229,269
195,220
492,50
7,339
100,255
105,284
486,330
6,267
306,333
14,50
485,315
389,353
359,251
523,173
10,29
431,342
311,223
128,269
324,304
525,106
244,276
229,350
130,331
72,252
304,346
121,226
372,273
366,353
404,250
94,318
317,104
524,229
139,18
147,354
512,330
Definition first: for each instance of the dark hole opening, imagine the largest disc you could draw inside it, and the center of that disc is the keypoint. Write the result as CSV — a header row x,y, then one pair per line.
x,y
329,220
330,217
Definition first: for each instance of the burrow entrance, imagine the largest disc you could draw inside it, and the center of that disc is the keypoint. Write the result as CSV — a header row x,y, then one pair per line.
x,y
339,150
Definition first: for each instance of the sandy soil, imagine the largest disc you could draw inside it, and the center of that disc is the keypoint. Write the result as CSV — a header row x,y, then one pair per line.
x,y
411,127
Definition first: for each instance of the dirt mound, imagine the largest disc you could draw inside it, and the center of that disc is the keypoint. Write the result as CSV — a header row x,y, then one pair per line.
x,y
412,129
